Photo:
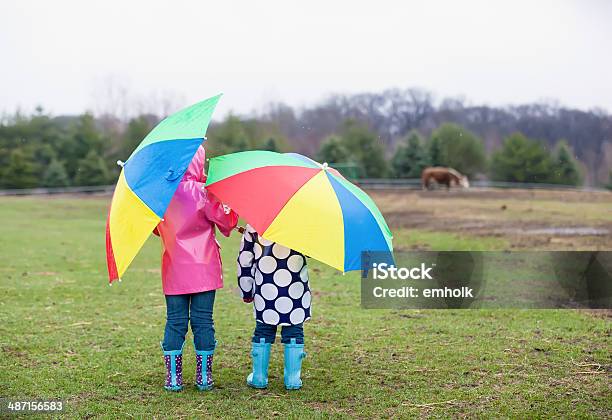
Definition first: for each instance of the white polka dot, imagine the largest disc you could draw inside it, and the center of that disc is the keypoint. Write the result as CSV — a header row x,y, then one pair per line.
x,y
282,278
306,300
258,278
267,264
260,304
246,258
283,304
296,290
265,242
269,291
270,317
258,249
280,252
238,268
247,237
297,316
295,263
304,274
246,284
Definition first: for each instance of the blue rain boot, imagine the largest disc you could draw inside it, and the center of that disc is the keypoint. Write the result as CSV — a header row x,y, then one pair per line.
x,y
294,353
174,369
204,361
261,358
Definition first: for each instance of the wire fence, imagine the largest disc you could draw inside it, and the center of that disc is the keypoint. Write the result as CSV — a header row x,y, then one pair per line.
x,y
97,189
415,184
366,183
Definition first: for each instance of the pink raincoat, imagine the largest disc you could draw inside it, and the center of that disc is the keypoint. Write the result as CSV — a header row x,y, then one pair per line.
x,y
191,262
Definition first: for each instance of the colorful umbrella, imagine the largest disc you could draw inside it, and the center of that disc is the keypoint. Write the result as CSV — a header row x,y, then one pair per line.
x,y
148,181
301,204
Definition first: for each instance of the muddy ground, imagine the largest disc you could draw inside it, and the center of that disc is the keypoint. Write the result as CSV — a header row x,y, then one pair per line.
x,y
526,219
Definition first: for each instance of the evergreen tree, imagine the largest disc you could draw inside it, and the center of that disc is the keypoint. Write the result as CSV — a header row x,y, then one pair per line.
x,y
453,146
20,171
564,167
270,145
229,137
435,152
136,131
521,160
44,154
55,175
410,157
85,138
332,150
92,170
365,149
609,185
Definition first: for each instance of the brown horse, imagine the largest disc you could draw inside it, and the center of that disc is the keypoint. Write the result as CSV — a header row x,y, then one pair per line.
x,y
443,176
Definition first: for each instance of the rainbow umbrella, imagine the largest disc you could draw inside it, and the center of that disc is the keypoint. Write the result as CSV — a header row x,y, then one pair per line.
x,y
301,204
148,181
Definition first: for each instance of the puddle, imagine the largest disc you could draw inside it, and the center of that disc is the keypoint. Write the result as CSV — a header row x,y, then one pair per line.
x,y
564,231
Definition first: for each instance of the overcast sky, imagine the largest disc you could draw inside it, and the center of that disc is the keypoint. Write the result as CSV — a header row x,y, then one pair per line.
x,y
65,54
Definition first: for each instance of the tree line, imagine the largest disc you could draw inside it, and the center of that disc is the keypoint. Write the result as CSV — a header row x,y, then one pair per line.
x,y
41,151
391,134
394,113
519,159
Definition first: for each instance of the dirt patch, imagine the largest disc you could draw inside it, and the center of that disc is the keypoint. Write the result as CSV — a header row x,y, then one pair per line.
x,y
20,357
567,196
537,219
599,313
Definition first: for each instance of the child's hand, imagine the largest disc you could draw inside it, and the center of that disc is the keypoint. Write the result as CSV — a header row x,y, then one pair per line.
x,y
240,229
247,300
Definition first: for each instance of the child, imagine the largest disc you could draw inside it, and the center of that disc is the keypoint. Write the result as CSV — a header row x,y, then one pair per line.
x,y
191,272
275,278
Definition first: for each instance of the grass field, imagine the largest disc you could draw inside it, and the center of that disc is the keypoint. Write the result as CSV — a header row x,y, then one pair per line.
x,y
65,334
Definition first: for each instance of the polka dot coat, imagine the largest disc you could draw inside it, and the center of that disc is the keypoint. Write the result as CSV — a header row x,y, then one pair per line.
x,y
276,278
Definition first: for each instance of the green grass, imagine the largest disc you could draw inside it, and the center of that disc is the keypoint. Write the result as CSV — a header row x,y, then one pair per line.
x,y
66,334
419,239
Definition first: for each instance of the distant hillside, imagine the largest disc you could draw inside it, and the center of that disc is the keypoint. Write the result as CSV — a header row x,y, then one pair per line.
x,y
393,113
57,151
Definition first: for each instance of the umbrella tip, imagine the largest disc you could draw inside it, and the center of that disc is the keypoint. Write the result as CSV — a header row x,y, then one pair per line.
x,y
325,166
120,163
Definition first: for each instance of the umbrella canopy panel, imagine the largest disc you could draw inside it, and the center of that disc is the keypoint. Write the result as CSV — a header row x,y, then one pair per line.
x,y
301,204
148,181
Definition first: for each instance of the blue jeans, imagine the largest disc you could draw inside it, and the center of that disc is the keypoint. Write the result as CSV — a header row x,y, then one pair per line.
x,y
268,333
180,309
